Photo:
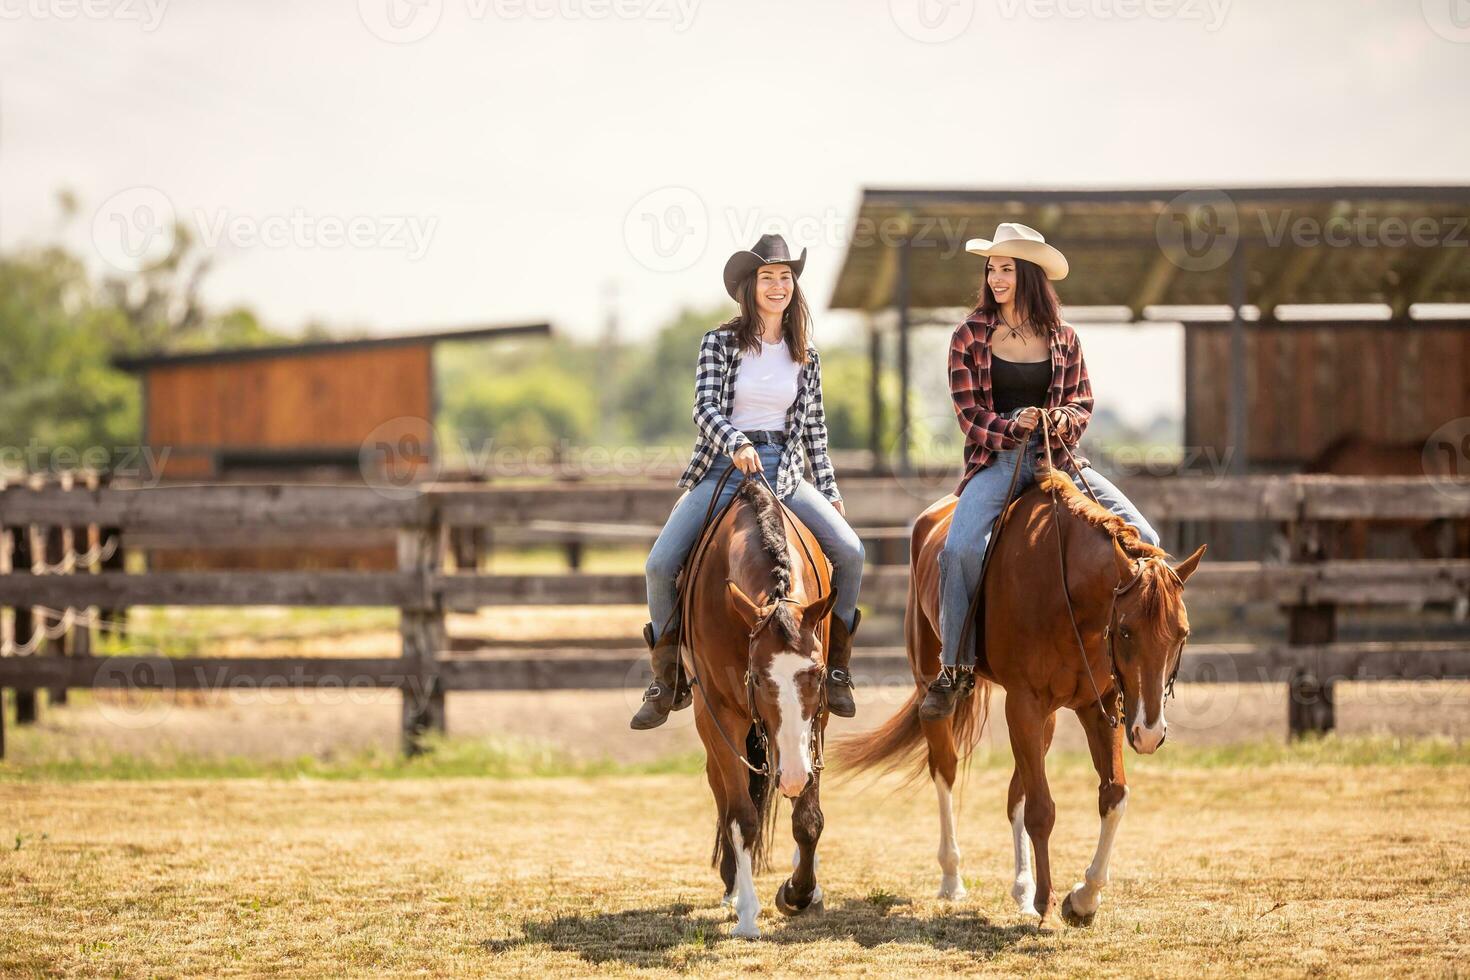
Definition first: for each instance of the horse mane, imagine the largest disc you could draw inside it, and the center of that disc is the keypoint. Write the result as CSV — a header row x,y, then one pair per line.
x,y
767,512
1154,593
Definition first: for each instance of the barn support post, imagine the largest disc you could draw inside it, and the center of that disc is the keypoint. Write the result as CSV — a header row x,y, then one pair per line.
x,y
905,255
1237,423
423,633
875,395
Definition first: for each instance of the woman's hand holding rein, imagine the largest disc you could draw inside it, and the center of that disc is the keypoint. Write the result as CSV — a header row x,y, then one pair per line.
x,y
747,460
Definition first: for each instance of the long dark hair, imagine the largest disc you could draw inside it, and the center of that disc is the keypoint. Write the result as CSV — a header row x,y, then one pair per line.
x,y
1036,300
795,320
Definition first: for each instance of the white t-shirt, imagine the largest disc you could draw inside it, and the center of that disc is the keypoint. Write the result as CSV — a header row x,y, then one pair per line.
x,y
765,387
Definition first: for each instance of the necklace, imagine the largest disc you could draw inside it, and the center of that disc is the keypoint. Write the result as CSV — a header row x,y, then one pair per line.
x,y
1015,331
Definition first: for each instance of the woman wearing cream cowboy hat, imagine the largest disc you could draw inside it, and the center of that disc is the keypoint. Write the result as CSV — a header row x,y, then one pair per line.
x,y
758,404
1010,360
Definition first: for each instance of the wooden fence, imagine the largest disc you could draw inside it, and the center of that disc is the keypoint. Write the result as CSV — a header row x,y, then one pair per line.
x,y
423,588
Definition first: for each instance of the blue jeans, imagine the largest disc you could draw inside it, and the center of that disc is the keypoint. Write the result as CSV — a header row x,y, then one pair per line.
x,y
974,516
839,542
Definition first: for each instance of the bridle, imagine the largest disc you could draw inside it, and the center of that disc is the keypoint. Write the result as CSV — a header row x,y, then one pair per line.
x,y
1109,632
706,535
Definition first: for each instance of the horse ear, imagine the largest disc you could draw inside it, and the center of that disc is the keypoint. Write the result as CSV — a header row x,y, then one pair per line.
x,y
1186,567
1121,559
814,612
744,605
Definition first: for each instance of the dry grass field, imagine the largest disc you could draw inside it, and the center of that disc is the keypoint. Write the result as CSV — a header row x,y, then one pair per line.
x,y
1317,867
279,833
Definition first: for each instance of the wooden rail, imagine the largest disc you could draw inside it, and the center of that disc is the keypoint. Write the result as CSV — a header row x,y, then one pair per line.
x,y
423,592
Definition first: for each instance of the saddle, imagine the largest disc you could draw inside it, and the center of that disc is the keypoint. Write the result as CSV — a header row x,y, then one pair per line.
x,y
975,615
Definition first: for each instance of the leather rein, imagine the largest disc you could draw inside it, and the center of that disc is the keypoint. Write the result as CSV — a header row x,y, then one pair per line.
x,y
702,543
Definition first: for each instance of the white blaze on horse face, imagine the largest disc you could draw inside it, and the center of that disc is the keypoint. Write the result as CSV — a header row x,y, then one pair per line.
x,y
1087,895
747,905
1023,889
1147,738
793,732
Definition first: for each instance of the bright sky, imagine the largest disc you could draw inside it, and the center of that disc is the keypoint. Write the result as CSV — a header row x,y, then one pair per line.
x,y
396,165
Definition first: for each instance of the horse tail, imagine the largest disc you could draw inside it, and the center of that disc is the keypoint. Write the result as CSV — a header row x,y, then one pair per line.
x,y
893,745
762,786
967,723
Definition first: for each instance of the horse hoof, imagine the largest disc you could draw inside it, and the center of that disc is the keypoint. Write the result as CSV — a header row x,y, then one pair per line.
x,y
751,931
1074,918
785,907
952,890
728,901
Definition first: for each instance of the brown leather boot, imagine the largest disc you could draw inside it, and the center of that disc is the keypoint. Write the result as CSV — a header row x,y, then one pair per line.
x,y
666,693
946,691
839,655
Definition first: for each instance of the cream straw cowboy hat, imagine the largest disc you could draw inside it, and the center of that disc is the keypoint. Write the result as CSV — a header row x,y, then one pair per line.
x,y
1020,242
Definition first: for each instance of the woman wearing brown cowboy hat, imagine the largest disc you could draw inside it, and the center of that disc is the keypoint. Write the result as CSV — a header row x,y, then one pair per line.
x,y
1012,358
758,405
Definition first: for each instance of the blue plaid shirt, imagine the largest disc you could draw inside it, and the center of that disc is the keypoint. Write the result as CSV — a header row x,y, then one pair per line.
x,y
714,400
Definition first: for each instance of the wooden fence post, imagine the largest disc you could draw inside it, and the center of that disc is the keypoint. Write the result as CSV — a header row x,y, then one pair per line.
x,y
80,639
57,540
1310,700
26,710
424,636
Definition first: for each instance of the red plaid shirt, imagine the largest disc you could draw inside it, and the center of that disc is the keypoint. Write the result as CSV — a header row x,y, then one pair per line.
x,y
986,431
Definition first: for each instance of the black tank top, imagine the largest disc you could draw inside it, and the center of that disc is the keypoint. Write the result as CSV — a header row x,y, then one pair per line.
x,y
1018,384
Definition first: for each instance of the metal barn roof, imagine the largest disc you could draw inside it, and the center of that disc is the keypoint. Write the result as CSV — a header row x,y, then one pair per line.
x,y
1136,247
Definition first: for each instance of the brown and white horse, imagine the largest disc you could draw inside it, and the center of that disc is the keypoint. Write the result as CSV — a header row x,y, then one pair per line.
x,y
760,669
1121,588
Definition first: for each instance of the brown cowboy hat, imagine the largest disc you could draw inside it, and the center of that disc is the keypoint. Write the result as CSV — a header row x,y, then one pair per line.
x,y
770,250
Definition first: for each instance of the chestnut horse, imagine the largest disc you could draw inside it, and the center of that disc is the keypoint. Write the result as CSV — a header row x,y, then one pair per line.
x,y
1129,613
760,673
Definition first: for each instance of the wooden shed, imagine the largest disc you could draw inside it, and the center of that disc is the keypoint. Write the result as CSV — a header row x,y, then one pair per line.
x,y
325,412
